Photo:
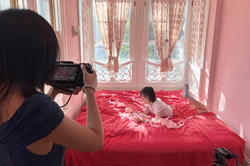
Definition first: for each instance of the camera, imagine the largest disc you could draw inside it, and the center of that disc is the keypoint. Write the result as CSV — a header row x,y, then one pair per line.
x,y
220,154
68,75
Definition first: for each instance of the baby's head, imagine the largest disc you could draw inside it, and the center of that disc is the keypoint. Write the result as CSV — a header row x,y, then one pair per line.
x,y
148,95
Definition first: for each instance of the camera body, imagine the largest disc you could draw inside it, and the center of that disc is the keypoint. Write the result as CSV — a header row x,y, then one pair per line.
x,y
68,75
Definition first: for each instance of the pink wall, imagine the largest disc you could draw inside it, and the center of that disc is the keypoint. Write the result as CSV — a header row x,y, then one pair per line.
x,y
72,19
228,59
73,42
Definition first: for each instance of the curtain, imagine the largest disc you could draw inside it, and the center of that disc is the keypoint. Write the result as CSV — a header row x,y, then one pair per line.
x,y
104,10
159,18
198,16
196,56
162,12
176,15
121,10
112,17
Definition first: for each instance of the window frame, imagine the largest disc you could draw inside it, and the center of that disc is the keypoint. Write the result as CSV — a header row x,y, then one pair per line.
x,y
139,34
170,83
9,3
91,58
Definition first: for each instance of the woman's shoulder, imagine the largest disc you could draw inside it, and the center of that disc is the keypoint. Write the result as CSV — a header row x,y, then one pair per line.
x,y
35,107
39,97
39,100
34,119
28,105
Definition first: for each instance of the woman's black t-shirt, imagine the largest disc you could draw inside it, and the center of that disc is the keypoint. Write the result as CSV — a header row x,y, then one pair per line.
x,y
35,119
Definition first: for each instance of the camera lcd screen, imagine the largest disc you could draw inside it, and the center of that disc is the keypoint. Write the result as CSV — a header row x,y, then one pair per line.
x,y
65,73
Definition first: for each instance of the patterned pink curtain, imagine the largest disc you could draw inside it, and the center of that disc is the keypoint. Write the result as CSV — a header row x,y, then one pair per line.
x,y
195,54
159,18
112,18
197,32
104,10
121,10
176,15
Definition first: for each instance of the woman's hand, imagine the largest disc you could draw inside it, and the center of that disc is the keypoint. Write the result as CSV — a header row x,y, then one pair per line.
x,y
89,79
78,102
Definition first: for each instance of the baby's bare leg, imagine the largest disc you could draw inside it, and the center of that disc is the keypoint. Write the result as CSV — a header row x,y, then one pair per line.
x,y
198,105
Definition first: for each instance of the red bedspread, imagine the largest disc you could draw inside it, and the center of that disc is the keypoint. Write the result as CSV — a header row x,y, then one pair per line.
x,y
127,143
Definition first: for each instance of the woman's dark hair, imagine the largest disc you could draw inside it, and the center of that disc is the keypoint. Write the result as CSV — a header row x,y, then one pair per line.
x,y
149,92
28,51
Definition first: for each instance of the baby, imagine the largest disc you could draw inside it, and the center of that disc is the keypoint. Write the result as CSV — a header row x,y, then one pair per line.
x,y
153,104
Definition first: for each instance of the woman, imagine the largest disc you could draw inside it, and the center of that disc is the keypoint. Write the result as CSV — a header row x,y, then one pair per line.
x,y
33,128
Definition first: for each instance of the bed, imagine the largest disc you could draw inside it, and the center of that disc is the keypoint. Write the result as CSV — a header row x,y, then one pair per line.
x,y
128,143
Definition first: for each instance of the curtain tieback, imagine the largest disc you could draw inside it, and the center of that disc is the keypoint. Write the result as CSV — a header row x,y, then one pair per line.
x,y
113,64
166,64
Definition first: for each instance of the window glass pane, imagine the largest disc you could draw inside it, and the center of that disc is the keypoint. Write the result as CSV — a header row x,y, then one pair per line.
x,y
57,15
4,4
124,54
122,76
152,51
177,54
43,9
125,71
22,4
100,54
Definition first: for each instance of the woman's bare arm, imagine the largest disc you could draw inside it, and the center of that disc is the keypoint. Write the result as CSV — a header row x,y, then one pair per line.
x,y
76,108
75,136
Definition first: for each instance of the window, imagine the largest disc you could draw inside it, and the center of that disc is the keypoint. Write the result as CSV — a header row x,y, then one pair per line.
x,y
100,55
4,4
22,4
52,12
153,73
103,75
49,9
43,8
138,60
